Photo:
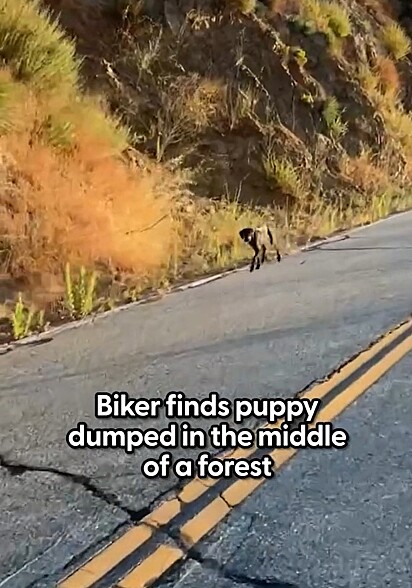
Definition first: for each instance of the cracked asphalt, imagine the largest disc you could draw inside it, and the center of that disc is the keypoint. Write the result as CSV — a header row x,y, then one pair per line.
x,y
338,519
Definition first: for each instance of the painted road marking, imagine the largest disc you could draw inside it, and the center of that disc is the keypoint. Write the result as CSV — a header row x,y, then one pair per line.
x,y
141,556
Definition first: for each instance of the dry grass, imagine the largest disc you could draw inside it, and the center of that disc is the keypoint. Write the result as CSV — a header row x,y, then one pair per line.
x,y
365,173
338,19
281,172
203,101
47,199
332,114
188,105
209,234
283,6
244,6
383,87
395,40
70,199
380,94
67,198
313,11
328,17
399,126
389,81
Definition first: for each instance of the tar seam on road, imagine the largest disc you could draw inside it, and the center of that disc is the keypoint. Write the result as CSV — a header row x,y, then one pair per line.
x,y
142,555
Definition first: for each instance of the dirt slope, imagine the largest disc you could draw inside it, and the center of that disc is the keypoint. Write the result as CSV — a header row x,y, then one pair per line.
x,y
238,111
287,102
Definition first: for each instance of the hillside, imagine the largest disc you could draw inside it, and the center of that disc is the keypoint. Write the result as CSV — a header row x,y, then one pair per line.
x,y
213,118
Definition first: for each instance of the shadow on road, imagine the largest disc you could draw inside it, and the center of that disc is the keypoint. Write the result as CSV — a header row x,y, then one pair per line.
x,y
324,247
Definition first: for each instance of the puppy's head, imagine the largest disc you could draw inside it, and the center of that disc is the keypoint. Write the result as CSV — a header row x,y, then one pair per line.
x,y
246,234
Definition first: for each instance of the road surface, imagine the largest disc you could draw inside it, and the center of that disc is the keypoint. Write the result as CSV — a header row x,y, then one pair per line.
x,y
327,520
267,334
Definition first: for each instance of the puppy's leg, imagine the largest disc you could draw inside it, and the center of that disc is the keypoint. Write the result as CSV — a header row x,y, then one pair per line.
x,y
255,259
263,254
278,257
258,260
252,265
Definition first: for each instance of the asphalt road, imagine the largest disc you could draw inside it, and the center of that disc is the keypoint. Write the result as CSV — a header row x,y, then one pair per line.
x,y
330,519
261,335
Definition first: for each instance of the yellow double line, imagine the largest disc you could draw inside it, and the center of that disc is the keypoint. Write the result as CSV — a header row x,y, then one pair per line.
x,y
110,567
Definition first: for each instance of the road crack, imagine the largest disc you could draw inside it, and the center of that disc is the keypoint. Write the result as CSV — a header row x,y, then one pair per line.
x,y
134,515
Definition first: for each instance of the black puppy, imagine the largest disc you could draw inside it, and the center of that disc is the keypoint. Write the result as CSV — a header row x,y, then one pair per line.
x,y
258,240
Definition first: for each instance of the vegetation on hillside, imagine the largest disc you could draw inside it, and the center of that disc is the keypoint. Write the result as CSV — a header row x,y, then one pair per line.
x,y
133,149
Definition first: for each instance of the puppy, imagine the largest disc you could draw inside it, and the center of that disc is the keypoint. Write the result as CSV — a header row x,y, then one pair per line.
x,y
258,239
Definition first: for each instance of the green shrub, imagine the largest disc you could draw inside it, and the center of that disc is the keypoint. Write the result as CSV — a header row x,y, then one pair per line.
x,y
36,50
332,115
300,55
